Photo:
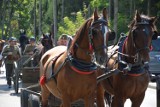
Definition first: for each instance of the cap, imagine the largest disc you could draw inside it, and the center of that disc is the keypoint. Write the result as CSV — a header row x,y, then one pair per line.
x,y
64,37
32,39
12,39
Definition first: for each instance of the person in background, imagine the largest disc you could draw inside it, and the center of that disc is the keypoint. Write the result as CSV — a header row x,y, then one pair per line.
x,y
23,40
29,49
11,53
62,40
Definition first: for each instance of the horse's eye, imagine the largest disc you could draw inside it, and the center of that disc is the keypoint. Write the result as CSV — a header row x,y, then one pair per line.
x,y
94,32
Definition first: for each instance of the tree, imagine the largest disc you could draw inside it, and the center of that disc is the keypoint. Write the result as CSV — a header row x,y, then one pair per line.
x,y
115,17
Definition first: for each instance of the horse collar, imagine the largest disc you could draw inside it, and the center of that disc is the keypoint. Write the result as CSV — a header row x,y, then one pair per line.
x,y
80,66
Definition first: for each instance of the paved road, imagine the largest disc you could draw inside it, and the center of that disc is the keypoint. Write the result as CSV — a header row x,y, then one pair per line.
x,y
7,96
9,99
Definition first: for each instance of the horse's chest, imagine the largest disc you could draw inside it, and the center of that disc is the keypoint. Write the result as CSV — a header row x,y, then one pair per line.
x,y
129,85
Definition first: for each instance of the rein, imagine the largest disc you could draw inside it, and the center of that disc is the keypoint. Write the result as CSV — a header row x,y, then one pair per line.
x,y
135,69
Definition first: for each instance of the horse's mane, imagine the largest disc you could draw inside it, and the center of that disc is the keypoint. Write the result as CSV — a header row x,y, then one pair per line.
x,y
80,33
81,30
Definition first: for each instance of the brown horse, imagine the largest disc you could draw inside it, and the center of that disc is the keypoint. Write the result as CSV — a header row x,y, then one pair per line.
x,y
70,74
1,47
132,61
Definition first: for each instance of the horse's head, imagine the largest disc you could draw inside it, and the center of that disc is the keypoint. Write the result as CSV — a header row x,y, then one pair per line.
x,y
92,39
46,41
2,42
142,31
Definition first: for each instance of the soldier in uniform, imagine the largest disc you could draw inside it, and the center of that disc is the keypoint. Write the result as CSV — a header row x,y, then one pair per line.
x,y
11,53
30,48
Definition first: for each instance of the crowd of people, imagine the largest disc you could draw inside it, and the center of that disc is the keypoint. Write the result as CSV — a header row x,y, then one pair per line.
x,y
14,49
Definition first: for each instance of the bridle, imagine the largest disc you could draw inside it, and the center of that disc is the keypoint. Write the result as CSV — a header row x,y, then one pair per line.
x,y
138,64
146,31
91,35
92,48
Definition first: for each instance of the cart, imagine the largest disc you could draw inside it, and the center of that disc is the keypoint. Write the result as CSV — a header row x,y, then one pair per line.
x,y
22,68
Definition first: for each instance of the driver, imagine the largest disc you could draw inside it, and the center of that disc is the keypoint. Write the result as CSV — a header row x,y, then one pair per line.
x,y
11,53
30,48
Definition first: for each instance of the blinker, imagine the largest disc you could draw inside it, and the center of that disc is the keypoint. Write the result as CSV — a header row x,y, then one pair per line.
x,y
155,35
112,36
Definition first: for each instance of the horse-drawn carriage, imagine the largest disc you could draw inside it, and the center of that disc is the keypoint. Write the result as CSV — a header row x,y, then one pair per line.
x,y
69,73
30,92
25,71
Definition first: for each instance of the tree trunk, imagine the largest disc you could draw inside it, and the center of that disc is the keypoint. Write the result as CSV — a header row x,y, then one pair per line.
x,y
55,21
148,8
10,14
35,19
131,8
115,17
134,6
109,10
3,18
62,14
40,18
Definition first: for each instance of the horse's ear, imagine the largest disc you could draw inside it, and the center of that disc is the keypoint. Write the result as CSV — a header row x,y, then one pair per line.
x,y
137,16
43,35
105,16
153,19
50,35
95,14
112,36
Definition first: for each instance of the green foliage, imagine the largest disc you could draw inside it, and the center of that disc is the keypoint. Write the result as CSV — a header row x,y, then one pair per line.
x,y
99,3
22,16
123,22
69,26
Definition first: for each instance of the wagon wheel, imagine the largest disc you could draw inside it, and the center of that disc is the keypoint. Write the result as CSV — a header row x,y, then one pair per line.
x,y
16,78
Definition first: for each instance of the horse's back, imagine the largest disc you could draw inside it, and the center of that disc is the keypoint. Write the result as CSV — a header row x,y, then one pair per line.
x,y
52,53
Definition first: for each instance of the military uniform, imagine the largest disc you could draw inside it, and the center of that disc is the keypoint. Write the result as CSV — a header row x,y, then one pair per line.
x,y
29,49
11,54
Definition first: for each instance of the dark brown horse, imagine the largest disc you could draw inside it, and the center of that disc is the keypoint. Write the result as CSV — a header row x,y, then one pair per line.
x,y
132,61
70,73
46,43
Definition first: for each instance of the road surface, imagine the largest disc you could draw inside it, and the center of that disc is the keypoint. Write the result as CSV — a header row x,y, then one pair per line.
x,y
9,99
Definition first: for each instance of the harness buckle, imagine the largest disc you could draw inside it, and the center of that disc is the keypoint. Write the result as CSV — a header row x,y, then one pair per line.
x,y
136,58
126,69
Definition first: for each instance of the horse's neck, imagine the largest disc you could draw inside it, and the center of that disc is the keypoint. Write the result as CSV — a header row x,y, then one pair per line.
x,y
81,51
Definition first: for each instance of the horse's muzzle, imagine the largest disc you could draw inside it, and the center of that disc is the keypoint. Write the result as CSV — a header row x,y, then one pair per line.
x,y
101,60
